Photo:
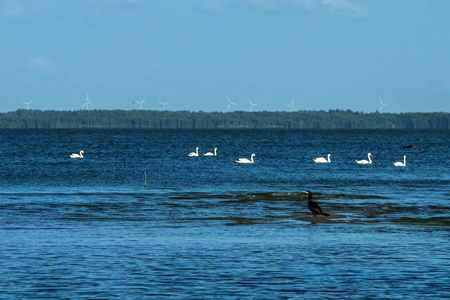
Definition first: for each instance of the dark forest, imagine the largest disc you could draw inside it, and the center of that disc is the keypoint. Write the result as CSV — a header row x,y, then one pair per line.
x,y
153,119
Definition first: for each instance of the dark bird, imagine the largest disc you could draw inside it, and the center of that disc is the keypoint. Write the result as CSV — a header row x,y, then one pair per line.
x,y
314,207
409,146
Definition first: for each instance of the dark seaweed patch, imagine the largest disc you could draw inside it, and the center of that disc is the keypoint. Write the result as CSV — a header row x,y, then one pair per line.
x,y
299,196
437,221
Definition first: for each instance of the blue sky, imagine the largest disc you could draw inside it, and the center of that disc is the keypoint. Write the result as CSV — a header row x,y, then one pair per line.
x,y
328,54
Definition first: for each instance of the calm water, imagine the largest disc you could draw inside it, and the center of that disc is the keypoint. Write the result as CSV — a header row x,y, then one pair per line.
x,y
207,227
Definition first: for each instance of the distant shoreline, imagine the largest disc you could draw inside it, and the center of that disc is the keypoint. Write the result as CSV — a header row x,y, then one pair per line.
x,y
154,119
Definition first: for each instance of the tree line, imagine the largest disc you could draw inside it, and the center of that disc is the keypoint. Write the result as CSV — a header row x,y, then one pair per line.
x,y
154,119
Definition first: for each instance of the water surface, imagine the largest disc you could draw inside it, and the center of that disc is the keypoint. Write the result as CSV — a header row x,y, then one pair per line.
x,y
207,227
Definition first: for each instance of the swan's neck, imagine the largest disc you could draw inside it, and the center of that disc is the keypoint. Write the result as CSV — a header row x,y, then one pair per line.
x,y
252,157
215,151
368,156
329,158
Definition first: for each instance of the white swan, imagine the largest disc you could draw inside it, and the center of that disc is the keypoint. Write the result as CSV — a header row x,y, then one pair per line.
x,y
194,153
364,161
210,153
321,160
246,160
401,164
76,155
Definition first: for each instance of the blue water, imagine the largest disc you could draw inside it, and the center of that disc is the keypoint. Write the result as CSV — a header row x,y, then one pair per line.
x,y
207,227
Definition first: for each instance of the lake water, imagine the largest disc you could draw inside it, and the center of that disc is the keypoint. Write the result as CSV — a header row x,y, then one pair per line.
x,y
208,227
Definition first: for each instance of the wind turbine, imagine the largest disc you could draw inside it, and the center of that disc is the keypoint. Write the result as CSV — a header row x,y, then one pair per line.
x,y
87,103
163,104
292,104
251,104
140,103
380,110
28,104
229,104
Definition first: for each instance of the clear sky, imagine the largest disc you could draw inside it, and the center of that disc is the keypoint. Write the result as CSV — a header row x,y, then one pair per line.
x,y
328,54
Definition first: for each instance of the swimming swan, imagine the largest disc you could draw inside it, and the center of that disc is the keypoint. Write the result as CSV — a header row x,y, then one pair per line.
x,y
246,160
364,161
210,153
321,160
401,164
75,155
194,153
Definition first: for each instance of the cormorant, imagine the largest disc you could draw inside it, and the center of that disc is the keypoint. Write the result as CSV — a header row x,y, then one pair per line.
x,y
314,207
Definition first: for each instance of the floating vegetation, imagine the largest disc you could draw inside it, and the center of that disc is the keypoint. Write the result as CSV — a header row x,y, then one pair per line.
x,y
436,221
300,196
373,212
